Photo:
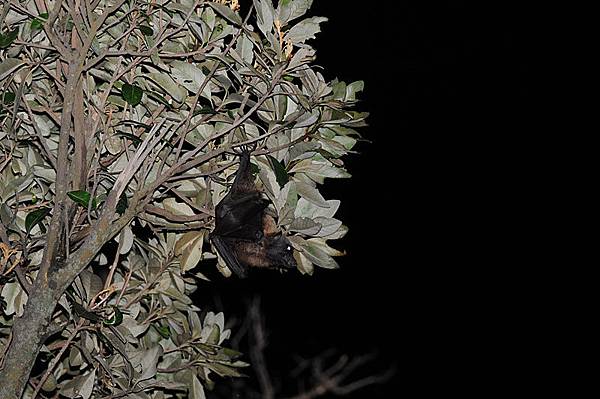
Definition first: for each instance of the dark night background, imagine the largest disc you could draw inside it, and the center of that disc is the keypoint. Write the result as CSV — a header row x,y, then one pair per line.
x,y
446,85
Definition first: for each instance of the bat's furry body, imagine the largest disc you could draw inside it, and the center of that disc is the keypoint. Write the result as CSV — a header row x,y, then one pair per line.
x,y
245,234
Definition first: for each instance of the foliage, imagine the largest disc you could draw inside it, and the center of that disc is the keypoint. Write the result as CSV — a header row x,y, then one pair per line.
x,y
127,114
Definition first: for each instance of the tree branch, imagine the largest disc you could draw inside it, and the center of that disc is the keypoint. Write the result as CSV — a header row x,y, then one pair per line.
x,y
258,344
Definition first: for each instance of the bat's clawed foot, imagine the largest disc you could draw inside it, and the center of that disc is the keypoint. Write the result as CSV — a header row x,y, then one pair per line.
x,y
245,149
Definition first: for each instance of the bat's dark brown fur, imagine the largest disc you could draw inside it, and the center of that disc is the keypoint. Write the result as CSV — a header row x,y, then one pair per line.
x,y
245,234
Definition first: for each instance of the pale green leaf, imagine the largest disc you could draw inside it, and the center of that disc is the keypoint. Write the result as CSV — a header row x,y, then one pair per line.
x,y
127,236
9,66
177,208
328,226
322,245
310,210
292,9
340,233
317,255
190,247
191,77
136,329
244,48
311,194
15,298
214,336
304,265
305,226
354,88
168,85
226,12
79,387
148,362
304,30
196,391
264,15
301,57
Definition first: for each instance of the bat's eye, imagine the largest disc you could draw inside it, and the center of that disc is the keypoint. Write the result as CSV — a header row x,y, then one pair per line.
x,y
289,248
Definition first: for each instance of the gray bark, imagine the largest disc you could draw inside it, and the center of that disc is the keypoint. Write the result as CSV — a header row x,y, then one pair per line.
x,y
28,336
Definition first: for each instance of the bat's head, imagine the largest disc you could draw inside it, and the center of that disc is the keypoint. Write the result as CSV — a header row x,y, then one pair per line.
x,y
280,252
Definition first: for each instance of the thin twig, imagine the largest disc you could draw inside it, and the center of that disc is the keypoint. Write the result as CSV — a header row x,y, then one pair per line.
x,y
258,344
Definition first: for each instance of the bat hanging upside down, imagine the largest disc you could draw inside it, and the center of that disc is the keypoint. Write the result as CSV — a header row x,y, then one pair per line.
x,y
245,234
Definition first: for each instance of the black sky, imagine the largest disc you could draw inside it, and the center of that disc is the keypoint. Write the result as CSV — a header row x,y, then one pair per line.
x,y
446,84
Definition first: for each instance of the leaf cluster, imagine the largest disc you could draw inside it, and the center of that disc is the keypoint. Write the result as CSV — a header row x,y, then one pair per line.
x,y
168,91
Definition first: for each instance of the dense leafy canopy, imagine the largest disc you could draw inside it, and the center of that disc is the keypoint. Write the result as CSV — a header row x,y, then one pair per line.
x,y
167,91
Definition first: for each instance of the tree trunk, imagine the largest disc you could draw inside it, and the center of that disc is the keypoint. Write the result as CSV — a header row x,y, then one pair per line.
x,y
28,331
28,336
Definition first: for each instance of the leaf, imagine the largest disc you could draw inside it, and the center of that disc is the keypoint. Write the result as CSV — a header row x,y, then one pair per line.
x,y
133,326
310,210
354,88
80,311
305,226
168,85
146,30
177,208
9,66
328,226
226,12
127,236
8,97
35,217
190,247
215,334
7,39
50,384
244,48
322,244
48,174
286,203
191,77
280,173
292,9
122,203
81,386
301,57
304,30
164,331
347,142
319,168
196,391
82,197
132,94
264,15
318,256
311,194
272,188
91,284
287,195
340,233
304,150
37,22
15,298
224,370
149,362
304,265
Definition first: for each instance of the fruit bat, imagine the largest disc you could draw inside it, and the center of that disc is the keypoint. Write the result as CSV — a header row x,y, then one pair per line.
x,y
246,233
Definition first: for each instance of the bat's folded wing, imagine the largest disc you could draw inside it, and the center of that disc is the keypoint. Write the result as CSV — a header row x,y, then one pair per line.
x,y
227,253
240,216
